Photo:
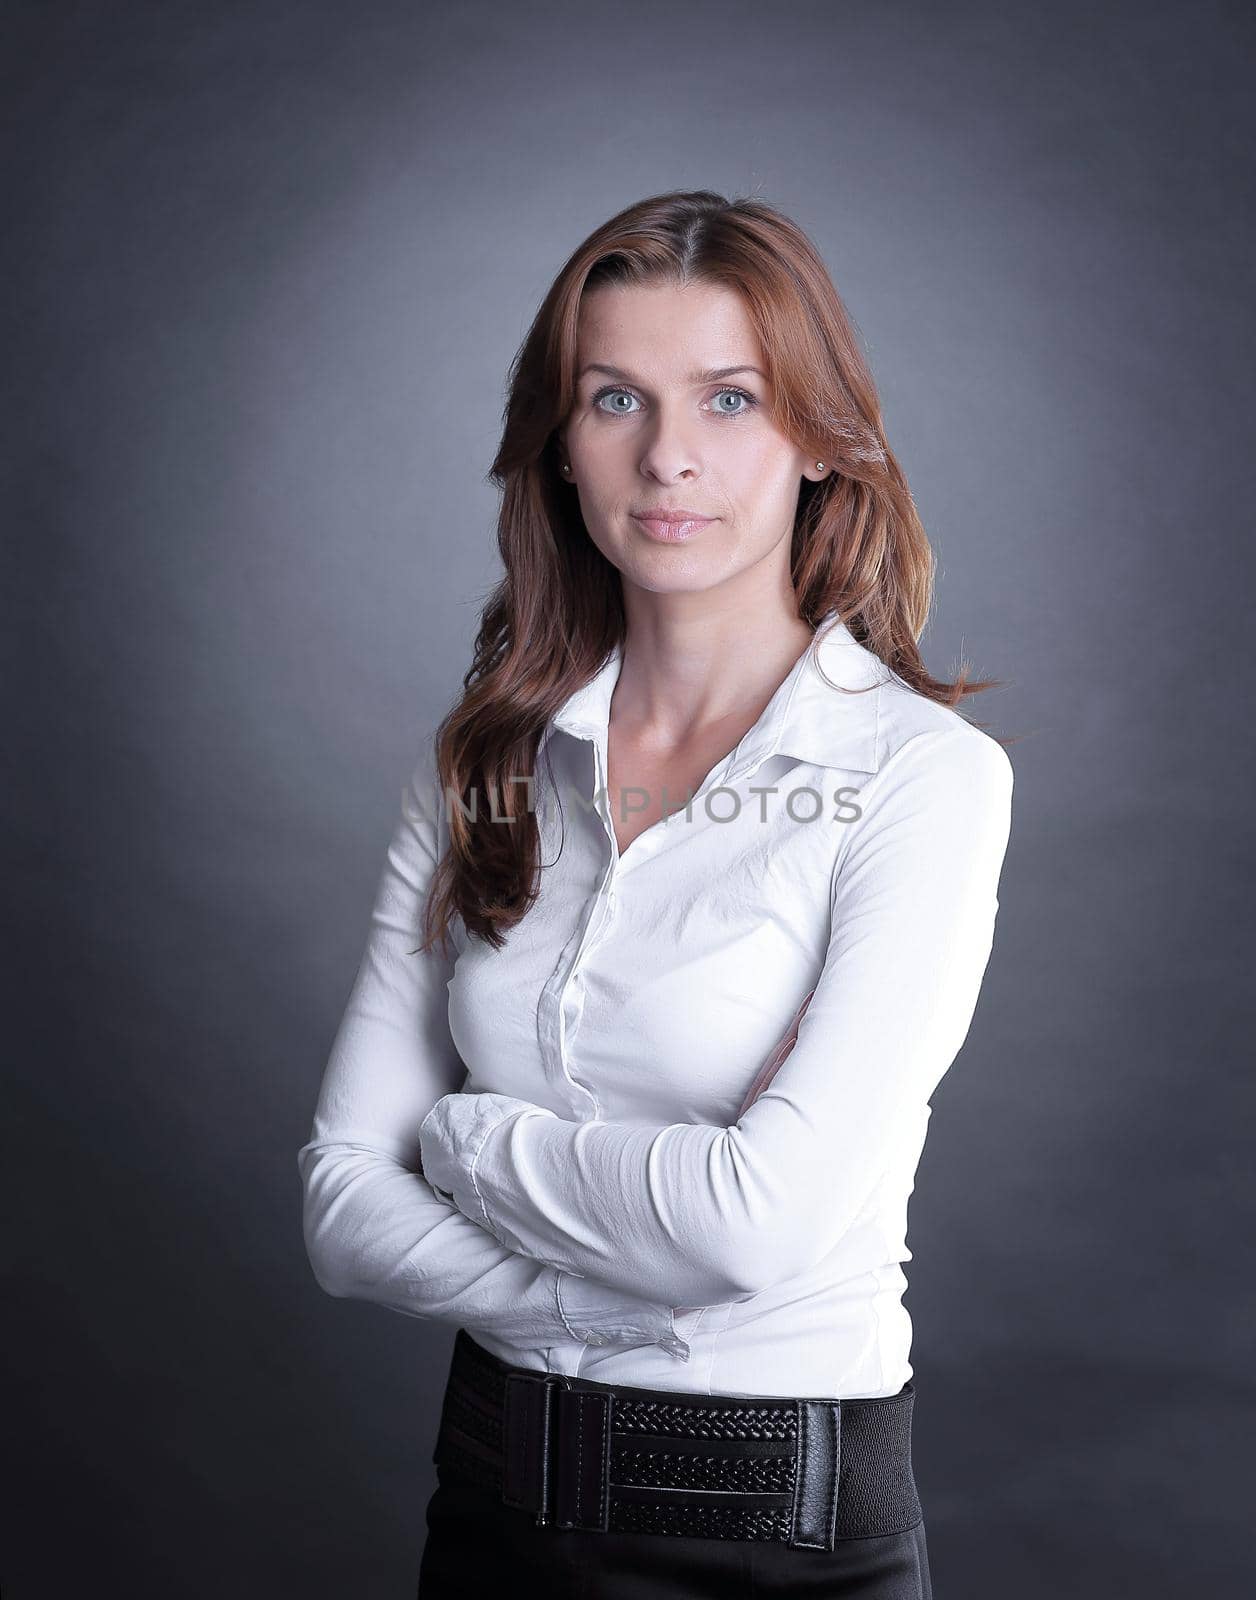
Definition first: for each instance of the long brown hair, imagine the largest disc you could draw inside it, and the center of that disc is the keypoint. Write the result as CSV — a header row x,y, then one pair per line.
x,y
858,545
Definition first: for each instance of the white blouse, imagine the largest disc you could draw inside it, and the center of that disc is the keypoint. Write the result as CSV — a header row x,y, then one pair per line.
x,y
582,1147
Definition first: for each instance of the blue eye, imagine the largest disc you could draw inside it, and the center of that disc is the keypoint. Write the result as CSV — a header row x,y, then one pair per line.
x,y
750,400
602,394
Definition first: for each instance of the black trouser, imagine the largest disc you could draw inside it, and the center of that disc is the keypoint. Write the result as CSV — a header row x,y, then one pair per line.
x,y
478,1546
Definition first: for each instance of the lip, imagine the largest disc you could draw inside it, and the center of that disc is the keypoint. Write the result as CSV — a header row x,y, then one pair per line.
x,y
672,525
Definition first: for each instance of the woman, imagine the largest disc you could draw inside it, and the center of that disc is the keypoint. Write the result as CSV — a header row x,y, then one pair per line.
x,y
685,916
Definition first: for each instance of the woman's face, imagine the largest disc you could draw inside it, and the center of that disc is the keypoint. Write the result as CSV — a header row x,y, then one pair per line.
x,y
655,432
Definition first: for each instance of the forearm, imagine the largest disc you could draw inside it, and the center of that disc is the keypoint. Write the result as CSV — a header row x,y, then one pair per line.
x,y
686,1214
615,1202
375,1231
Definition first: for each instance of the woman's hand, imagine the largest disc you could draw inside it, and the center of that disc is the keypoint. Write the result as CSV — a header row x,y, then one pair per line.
x,y
769,1068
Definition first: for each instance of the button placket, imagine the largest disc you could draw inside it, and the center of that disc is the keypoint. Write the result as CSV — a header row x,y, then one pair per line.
x,y
571,1003
561,1001
569,989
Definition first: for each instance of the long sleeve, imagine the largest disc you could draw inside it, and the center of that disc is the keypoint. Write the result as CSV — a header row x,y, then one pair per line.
x,y
374,1228
695,1213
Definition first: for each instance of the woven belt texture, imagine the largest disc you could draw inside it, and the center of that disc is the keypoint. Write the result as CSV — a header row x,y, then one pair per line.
x,y
608,1458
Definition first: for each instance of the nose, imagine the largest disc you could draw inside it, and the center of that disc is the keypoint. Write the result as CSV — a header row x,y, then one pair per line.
x,y
670,450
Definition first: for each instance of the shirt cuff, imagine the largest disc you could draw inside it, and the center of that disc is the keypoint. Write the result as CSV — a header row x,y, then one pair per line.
x,y
596,1315
451,1137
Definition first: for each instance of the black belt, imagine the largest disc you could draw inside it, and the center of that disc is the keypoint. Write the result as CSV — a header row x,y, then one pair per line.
x,y
615,1459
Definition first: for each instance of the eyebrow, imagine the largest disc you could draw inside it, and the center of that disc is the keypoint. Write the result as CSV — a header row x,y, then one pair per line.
x,y
710,376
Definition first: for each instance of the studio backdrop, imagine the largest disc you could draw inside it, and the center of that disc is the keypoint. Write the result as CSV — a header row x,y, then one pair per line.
x,y
267,267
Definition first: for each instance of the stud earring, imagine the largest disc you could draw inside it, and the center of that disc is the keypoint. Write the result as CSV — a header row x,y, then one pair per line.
x,y
819,466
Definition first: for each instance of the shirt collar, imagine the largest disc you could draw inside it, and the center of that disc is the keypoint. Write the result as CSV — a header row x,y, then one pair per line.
x,y
806,717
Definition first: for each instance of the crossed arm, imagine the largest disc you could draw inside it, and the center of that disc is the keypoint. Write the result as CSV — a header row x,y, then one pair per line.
x,y
695,1214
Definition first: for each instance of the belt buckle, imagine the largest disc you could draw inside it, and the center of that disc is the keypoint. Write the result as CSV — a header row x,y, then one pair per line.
x,y
556,1445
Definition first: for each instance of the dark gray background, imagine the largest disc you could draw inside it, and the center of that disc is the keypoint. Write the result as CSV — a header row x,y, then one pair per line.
x,y
268,265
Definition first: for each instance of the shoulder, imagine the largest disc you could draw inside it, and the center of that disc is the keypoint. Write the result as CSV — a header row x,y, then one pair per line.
x,y
422,802
938,809
424,773
920,738
942,787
